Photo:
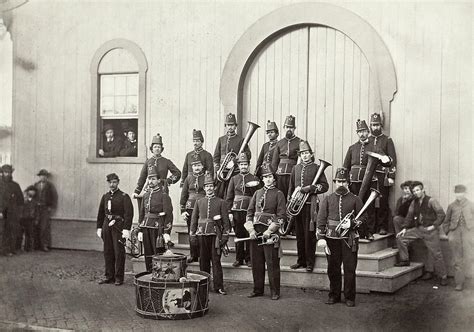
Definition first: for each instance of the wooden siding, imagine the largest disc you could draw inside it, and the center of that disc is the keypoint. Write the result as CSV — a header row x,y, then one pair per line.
x,y
186,44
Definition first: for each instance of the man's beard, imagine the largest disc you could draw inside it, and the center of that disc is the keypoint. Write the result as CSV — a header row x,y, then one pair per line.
x,y
376,132
7,178
341,190
289,134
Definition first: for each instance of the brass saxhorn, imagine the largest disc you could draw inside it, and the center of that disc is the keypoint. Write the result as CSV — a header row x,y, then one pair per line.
x,y
373,195
226,169
369,172
298,199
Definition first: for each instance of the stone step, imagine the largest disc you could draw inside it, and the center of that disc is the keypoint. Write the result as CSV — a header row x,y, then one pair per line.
x,y
289,242
375,262
387,281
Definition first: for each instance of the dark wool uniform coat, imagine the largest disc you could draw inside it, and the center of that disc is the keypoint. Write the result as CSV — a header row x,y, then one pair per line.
x,y
193,189
163,166
205,209
265,156
238,195
206,159
121,205
226,144
112,149
285,155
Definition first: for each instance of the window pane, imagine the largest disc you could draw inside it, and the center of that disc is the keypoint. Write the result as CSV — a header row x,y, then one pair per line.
x,y
120,105
107,106
107,85
120,86
132,105
119,96
132,85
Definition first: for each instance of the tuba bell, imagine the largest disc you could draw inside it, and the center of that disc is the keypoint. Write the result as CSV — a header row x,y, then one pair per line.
x,y
298,200
226,169
369,173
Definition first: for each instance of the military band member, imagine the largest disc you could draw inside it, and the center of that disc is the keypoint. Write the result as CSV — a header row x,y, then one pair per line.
x,y
47,201
11,206
355,163
385,171
230,142
285,155
163,167
340,250
114,221
302,177
266,152
156,218
239,193
130,144
112,145
210,226
193,189
204,156
265,215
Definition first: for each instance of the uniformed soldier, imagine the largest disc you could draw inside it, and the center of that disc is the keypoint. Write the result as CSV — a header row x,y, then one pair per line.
x,y
230,142
355,163
163,167
11,205
130,144
204,156
156,218
301,179
47,202
210,226
285,155
114,221
265,215
239,193
340,249
266,152
112,145
385,171
193,189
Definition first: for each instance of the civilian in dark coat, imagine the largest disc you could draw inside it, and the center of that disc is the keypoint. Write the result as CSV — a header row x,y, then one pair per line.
x,y
47,200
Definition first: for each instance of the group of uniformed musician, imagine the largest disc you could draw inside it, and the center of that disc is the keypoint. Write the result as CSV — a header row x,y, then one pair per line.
x,y
219,194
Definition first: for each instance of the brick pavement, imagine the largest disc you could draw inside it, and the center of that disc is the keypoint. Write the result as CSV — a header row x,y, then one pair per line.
x,y
59,290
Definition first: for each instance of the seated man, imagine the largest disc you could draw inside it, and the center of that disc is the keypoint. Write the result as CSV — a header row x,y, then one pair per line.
x,y
424,217
401,208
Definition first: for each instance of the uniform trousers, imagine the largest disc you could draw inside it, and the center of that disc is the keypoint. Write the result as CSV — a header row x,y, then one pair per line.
x,y
461,242
44,227
305,239
209,253
431,240
193,246
242,249
261,255
26,228
150,248
283,183
114,252
341,254
369,225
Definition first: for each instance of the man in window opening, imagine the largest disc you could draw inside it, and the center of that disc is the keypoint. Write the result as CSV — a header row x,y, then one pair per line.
x,y
112,145
163,166
203,155
130,146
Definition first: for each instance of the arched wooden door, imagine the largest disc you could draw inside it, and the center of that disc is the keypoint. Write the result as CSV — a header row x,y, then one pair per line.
x,y
317,74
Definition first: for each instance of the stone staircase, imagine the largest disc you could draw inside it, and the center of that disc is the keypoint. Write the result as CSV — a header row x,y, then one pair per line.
x,y
375,268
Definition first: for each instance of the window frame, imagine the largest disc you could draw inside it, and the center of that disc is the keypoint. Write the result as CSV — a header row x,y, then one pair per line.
x,y
95,129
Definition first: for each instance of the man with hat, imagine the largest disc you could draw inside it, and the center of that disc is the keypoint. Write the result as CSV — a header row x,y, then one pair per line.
x,y
266,152
459,226
203,155
29,219
385,171
156,219
114,221
12,204
230,142
130,144
239,193
285,155
301,179
424,216
355,163
112,145
265,214
340,249
210,226
47,202
193,189
163,167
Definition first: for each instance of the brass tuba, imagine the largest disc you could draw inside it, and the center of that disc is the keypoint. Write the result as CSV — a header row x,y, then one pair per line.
x,y
226,169
298,199
349,217
369,172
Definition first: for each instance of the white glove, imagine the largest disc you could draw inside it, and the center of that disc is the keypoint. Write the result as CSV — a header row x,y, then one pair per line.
x,y
134,195
99,232
140,236
346,224
322,243
185,215
166,237
253,235
385,159
267,234
402,232
231,217
126,233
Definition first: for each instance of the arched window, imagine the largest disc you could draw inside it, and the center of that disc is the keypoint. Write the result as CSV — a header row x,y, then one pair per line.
x,y
118,81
